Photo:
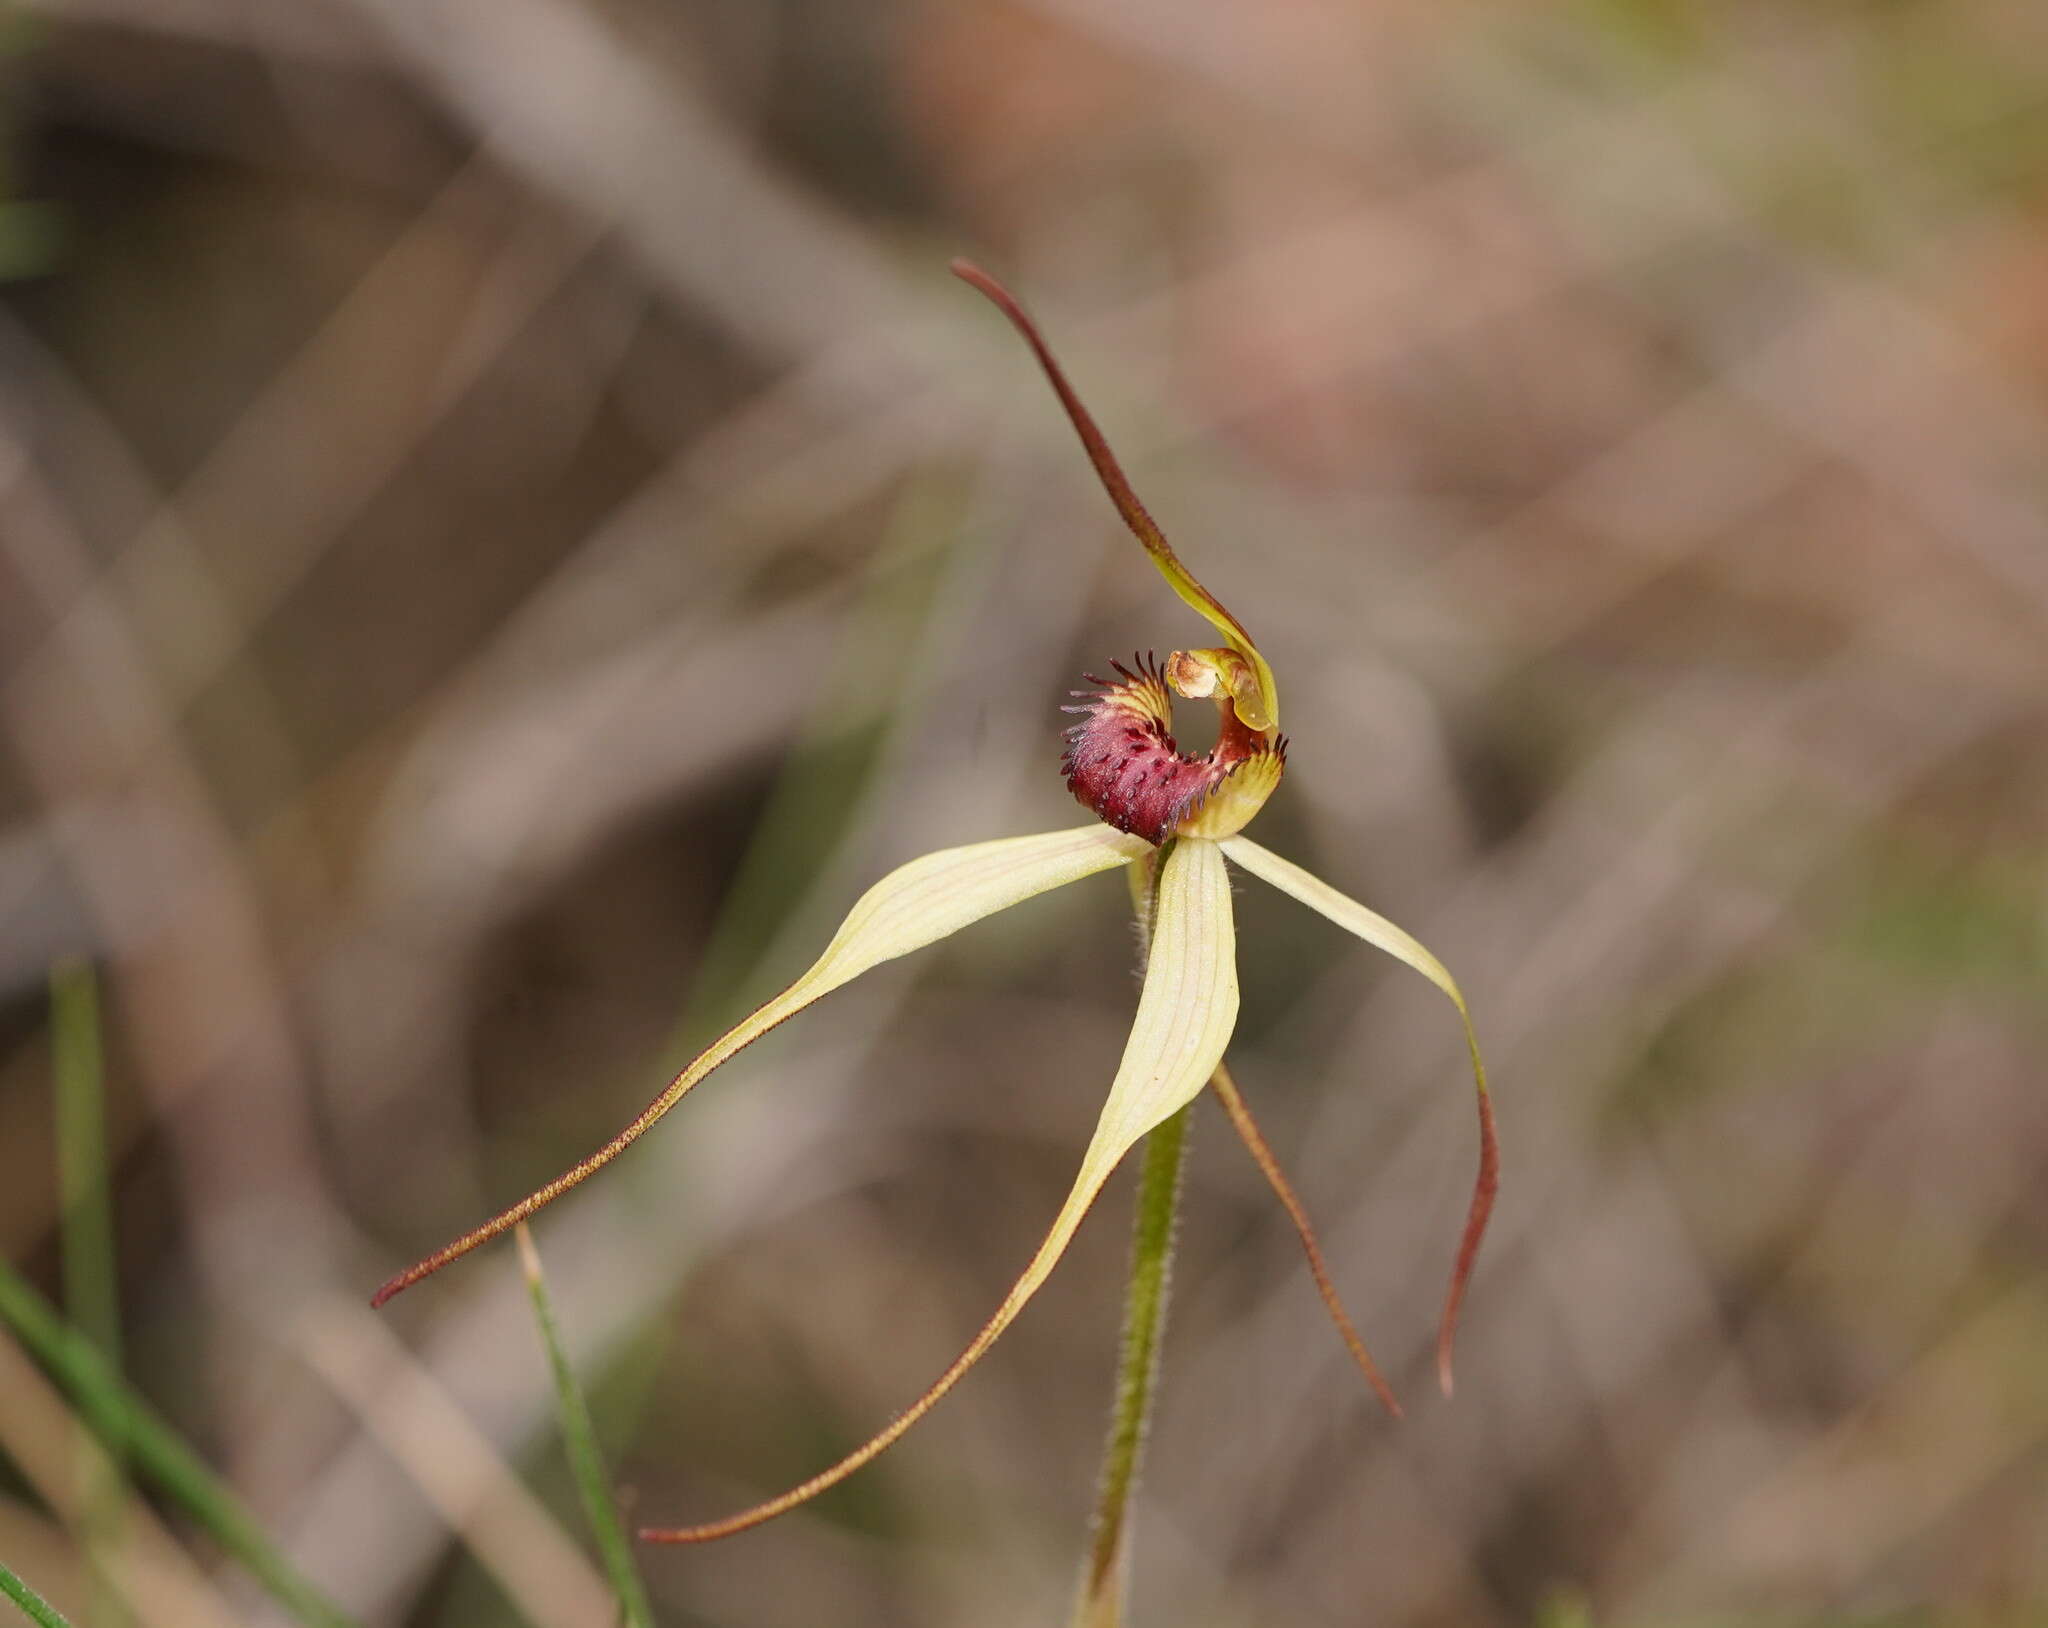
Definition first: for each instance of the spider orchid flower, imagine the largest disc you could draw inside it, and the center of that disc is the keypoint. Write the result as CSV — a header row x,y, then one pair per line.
x,y
1178,820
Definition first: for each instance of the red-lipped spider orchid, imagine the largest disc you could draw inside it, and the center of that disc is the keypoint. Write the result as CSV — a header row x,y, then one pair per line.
x,y
1174,820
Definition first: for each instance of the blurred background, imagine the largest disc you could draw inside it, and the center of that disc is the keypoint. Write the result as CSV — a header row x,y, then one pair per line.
x,y
507,527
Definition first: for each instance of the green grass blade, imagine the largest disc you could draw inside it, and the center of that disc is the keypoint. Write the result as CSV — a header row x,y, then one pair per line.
x,y
115,1413
91,1288
92,1294
33,1606
579,1434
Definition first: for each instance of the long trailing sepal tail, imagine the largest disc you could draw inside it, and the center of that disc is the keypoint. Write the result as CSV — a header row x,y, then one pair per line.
x,y
1381,933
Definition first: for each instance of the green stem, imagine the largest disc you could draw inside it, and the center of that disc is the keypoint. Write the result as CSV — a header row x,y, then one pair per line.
x,y
1145,1302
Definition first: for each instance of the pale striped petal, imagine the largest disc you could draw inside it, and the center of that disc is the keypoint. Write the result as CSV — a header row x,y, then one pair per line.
x,y
918,904
1185,1017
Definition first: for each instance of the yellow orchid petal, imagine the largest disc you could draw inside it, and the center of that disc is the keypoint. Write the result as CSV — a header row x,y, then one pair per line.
x,y
915,905
1258,702
1376,930
1185,1017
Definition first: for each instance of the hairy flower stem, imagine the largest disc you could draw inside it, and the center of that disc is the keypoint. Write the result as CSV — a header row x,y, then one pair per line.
x,y
1145,1301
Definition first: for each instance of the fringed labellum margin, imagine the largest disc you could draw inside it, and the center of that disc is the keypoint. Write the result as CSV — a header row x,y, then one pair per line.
x,y
1123,764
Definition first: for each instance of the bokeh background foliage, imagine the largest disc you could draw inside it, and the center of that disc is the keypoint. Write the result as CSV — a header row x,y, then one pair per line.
x,y
507,527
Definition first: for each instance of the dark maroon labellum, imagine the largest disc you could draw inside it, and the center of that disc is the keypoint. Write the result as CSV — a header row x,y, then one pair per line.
x,y
1122,762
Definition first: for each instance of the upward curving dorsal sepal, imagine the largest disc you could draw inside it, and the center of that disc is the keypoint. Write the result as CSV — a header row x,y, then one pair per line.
x,y
1255,697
